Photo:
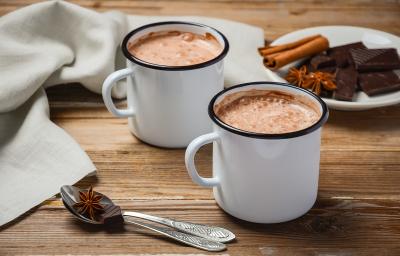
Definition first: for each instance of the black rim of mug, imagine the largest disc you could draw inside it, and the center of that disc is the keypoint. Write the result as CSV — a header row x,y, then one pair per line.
x,y
315,126
173,68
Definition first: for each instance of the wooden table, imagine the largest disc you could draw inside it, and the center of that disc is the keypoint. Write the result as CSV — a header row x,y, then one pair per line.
x,y
358,207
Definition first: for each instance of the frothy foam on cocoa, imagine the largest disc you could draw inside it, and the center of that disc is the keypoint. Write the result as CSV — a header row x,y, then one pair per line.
x,y
267,111
175,48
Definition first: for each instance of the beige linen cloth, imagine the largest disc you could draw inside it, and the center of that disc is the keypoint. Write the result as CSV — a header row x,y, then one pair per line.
x,y
57,42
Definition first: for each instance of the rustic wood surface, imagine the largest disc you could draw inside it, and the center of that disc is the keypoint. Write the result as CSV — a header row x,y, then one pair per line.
x,y
358,207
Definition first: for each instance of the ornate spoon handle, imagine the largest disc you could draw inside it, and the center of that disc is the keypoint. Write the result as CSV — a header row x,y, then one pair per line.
x,y
194,241
212,233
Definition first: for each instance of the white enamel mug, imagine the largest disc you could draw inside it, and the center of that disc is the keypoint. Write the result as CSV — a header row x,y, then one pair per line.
x,y
263,178
166,104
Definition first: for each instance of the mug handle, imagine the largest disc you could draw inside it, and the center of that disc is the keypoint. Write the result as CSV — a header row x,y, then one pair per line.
x,y
191,151
107,87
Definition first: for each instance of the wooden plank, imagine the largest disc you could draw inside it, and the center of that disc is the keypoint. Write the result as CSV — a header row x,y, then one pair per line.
x,y
363,134
166,177
330,225
277,18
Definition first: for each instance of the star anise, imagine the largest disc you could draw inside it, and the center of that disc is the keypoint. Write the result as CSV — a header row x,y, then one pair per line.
x,y
297,76
315,81
89,203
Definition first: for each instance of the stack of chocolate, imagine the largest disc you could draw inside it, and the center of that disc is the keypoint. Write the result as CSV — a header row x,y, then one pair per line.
x,y
359,68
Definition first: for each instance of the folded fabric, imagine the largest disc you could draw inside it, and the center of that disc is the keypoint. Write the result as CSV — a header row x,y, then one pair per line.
x,y
57,42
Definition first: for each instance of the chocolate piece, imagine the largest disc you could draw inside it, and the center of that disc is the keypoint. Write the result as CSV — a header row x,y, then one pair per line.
x,y
375,59
322,61
346,83
341,53
308,65
379,82
326,94
310,68
111,215
328,69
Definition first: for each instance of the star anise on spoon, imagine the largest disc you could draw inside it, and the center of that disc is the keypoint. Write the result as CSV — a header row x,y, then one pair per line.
x,y
297,76
315,81
89,203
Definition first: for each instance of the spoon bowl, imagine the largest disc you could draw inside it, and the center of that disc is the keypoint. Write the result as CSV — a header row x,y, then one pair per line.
x,y
70,196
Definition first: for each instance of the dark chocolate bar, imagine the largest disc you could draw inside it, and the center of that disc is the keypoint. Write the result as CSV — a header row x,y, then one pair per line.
x,y
322,61
326,94
375,59
328,69
374,83
310,68
346,83
341,53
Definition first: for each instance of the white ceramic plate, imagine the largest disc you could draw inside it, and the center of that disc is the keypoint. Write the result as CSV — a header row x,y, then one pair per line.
x,y
339,35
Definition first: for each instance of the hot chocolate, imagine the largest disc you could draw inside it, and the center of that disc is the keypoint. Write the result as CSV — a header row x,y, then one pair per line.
x,y
267,111
175,48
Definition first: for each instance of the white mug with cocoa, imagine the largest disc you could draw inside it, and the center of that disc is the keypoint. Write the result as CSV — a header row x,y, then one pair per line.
x,y
173,70
266,151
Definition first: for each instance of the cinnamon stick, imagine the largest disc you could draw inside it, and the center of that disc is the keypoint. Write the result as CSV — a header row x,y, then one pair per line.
x,y
266,50
281,55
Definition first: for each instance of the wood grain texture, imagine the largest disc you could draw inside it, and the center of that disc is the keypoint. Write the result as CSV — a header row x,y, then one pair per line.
x,y
276,17
358,206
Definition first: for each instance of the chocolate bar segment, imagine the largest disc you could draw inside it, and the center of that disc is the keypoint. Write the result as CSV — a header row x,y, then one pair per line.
x,y
328,69
111,215
341,53
375,59
346,83
310,68
322,61
379,82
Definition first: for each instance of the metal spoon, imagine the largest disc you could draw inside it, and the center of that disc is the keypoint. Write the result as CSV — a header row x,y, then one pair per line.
x,y
70,195
212,233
